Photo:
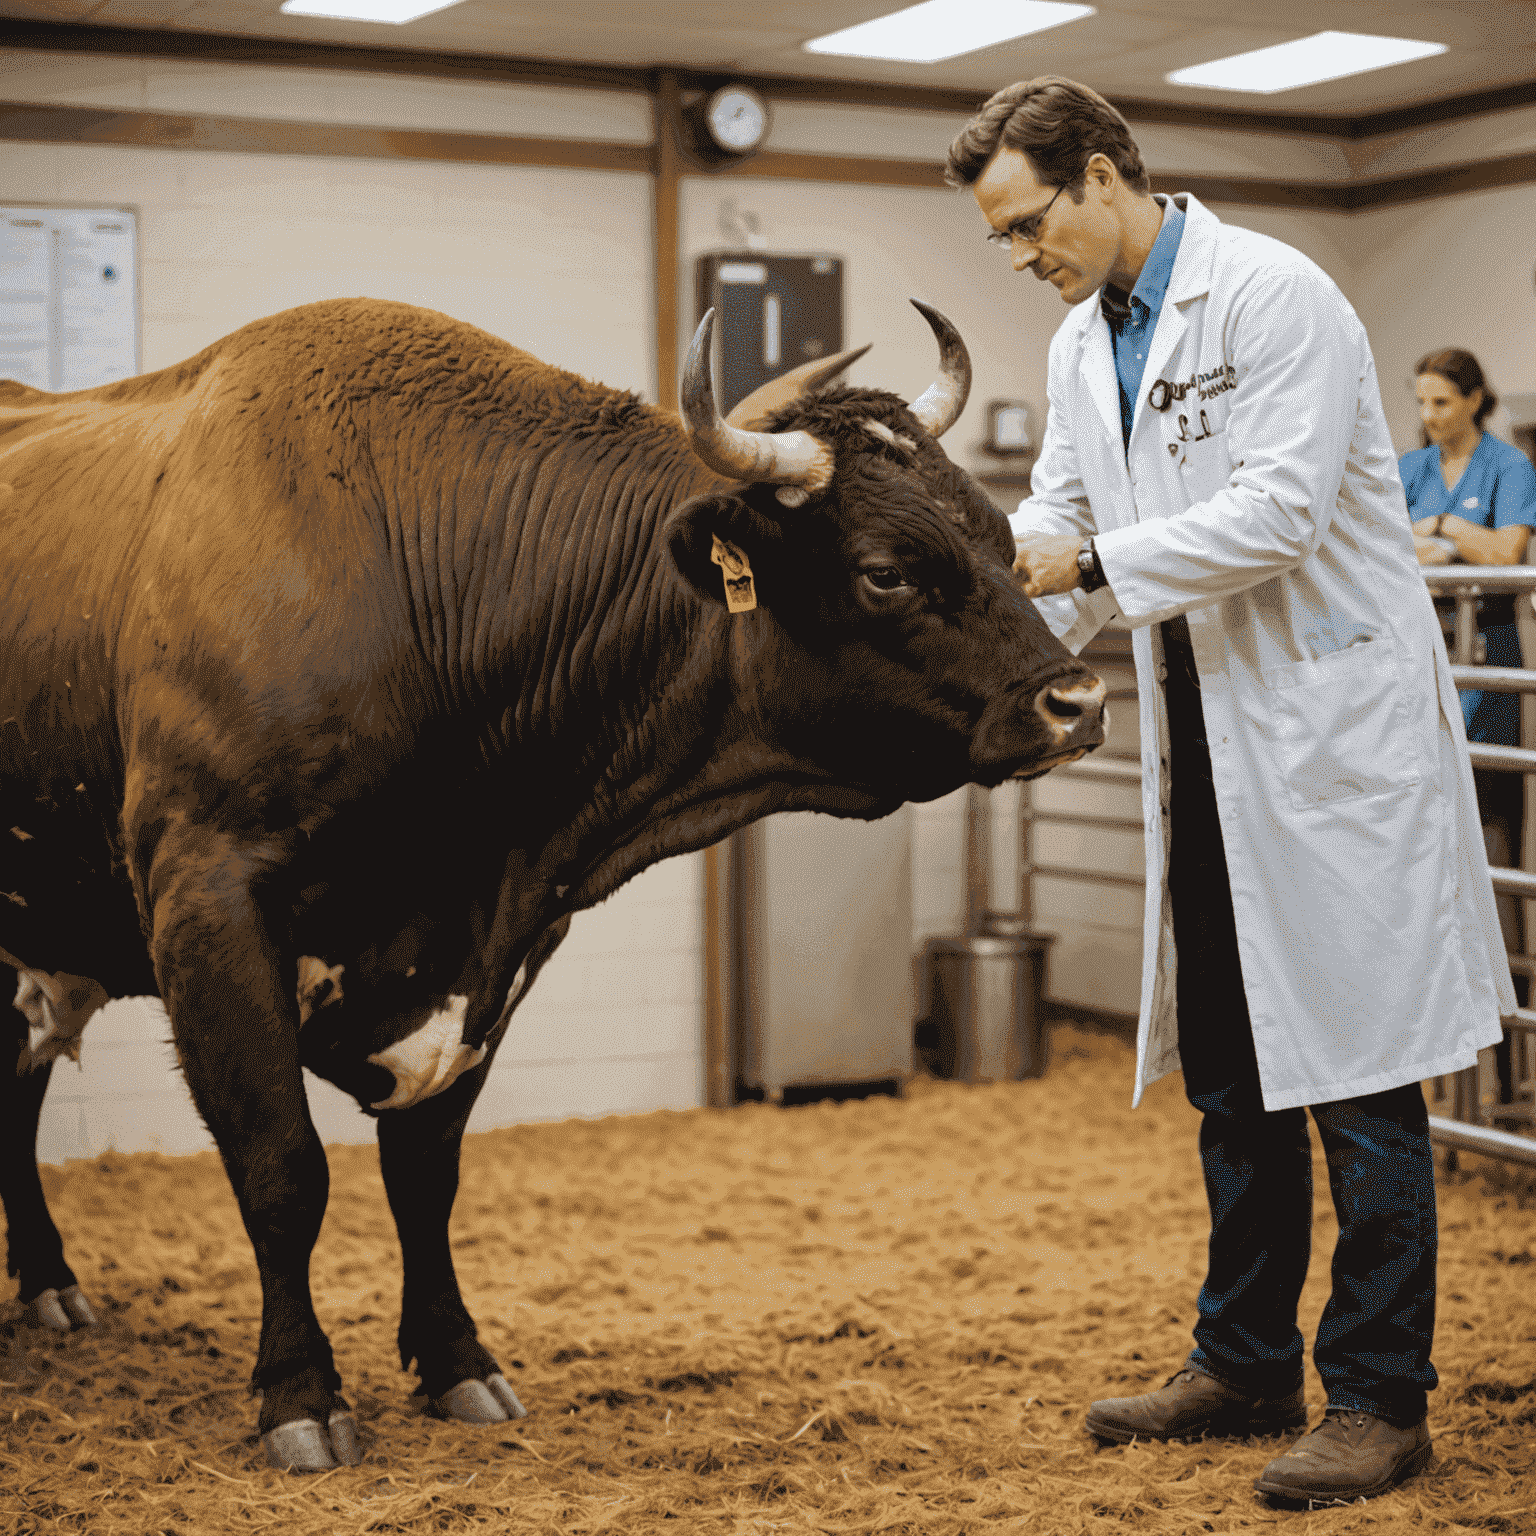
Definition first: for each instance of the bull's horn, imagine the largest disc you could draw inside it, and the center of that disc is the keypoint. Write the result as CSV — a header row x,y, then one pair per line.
x,y
939,406
779,458
752,412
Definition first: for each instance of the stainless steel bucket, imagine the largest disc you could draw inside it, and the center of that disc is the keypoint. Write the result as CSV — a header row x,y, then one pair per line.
x,y
986,993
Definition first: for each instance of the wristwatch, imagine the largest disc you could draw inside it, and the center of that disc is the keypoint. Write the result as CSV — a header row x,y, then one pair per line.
x,y
1090,574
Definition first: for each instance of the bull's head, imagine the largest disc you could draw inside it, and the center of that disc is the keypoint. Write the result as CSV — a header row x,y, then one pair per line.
x,y
893,645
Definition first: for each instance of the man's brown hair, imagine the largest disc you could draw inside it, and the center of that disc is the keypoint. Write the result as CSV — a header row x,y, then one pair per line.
x,y
1059,124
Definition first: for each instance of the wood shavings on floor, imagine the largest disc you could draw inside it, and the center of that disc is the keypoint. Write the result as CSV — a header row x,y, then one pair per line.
x,y
881,1316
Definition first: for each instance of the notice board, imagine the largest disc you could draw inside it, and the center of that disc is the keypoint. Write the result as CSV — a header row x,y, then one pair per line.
x,y
69,296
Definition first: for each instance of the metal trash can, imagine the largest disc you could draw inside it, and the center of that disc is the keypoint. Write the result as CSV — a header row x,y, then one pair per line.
x,y
986,992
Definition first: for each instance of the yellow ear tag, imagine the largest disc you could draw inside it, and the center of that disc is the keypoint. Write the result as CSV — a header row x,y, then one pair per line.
x,y
740,595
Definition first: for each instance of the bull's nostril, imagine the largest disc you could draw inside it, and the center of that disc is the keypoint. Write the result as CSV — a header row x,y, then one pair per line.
x,y
1072,708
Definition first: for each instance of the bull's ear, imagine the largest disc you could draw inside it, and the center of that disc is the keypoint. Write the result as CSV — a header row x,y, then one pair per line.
x,y
690,533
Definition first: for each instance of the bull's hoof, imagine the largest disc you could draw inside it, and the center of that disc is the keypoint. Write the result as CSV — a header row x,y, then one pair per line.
x,y
491,1401
301,1445
60,1311
78,1307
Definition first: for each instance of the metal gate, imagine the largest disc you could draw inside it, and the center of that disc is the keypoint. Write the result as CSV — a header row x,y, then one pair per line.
x,y
1471,1096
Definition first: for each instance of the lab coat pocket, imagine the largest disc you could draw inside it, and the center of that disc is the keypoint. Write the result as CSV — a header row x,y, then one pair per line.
x,y
1341,727
1205,467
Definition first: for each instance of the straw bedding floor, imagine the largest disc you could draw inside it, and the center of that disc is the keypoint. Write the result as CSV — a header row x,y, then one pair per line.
x,y
880,1316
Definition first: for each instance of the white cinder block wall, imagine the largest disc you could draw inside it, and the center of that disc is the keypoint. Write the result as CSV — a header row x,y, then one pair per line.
x,y
558,262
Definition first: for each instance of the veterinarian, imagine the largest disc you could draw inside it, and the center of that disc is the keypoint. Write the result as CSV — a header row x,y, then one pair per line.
x,y
1320,926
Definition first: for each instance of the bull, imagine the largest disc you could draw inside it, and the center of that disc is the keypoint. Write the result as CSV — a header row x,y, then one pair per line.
x,y
345,661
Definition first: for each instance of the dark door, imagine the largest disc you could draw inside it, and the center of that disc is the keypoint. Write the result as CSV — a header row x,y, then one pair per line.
x,y
771,314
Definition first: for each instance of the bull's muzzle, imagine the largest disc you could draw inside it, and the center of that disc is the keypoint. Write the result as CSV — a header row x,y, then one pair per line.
x,y
1028,730
1073,713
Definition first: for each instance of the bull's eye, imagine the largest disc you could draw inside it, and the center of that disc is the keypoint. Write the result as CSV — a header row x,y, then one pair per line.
x,y
885,578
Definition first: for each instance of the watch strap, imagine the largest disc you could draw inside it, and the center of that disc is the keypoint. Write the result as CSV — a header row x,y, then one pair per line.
x,y
1090,573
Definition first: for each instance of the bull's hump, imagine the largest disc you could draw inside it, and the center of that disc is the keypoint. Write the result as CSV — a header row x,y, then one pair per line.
x,y
344,333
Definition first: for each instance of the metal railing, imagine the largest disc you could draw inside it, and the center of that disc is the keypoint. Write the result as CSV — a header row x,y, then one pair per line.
x,y
1472,1095
1092,770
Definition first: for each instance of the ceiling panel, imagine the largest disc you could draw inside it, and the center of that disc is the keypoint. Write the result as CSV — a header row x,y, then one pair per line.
x,y
1124,50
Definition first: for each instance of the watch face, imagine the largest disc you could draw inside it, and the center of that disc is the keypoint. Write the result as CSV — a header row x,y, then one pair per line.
x,y
737,118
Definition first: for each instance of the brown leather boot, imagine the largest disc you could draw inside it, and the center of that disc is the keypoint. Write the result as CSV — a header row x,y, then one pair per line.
x,y
1190,1404
1350,1455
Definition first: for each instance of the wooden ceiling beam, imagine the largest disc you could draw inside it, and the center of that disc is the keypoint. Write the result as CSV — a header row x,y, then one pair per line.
x,y
29,122
71,37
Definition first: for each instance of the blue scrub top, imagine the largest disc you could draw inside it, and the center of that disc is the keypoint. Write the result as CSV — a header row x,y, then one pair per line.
x,y
1498,490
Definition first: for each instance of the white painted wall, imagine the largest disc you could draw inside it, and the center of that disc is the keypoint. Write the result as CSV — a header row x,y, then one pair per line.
x,y
284,94
557,262
1451,272
611,1028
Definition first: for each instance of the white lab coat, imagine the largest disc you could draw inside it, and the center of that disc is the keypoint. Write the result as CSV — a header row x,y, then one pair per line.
x,y
1264,504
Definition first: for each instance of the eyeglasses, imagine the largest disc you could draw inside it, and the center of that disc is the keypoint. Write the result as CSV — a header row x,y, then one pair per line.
x,y
1027,230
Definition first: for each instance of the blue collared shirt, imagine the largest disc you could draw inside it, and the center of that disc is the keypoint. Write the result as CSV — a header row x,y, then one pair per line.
x,y
1131,335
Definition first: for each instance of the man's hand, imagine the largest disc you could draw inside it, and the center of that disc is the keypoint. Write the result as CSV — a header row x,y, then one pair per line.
x,y
1046,563
1433,551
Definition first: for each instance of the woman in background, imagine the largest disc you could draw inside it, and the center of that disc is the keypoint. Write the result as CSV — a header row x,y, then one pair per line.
x,y
1472,497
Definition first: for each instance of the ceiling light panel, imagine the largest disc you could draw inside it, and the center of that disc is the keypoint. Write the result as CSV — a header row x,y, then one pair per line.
x,y
393,12
1308,60
944,29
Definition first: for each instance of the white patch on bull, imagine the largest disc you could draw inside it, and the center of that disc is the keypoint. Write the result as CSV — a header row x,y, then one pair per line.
x,y
895,439
514,992
792,495
319,986
37,1008
57,1008
519,981
431,1059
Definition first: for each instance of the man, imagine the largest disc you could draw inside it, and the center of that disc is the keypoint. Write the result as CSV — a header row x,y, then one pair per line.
x,y
1320,927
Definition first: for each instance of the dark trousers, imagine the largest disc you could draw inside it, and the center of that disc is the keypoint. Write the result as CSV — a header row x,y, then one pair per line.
x,y
1373,1344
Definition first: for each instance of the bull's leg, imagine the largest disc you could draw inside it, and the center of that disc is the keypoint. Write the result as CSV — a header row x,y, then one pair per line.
x,y
35,1251
419,1156
229,989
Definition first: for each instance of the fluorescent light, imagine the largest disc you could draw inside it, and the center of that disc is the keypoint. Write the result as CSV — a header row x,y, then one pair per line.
x,y
943,29
1323,56
395,12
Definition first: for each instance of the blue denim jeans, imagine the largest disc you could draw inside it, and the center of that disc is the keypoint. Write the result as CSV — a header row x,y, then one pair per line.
x,y
1373,1343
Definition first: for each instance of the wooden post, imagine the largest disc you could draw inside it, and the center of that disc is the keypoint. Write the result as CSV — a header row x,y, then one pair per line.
x,y
666,172
978,855
1026,851
666,169
719,1073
